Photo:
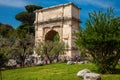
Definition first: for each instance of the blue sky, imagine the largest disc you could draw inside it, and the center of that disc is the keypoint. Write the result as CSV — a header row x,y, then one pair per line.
x,y
9,8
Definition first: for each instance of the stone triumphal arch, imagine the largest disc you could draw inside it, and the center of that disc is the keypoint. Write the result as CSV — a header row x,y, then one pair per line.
x,y
61,19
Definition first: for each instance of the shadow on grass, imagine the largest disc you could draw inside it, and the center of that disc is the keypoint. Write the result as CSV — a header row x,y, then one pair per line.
x,y
116,71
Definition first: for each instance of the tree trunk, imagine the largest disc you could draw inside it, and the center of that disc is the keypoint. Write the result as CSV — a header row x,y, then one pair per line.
x,y
22,58
49,59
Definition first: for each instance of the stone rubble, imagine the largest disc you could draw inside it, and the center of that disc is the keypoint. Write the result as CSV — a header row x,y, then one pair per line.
x,y
86,74
81,73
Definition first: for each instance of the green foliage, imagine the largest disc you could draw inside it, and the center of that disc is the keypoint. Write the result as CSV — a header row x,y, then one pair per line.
x,y
6,30
26,17
50,49
4,50
3,59
5,45
23,47
25,29
56,37
13,47
20,41
32,8
21,32
101,38
1,24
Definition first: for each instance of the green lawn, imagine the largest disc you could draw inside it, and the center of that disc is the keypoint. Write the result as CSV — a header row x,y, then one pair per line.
x,y
60,71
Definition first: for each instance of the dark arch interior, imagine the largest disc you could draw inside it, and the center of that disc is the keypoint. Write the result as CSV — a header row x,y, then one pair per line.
x,y
50,35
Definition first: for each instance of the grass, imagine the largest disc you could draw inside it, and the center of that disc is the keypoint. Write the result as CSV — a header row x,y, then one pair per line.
x,y
60,71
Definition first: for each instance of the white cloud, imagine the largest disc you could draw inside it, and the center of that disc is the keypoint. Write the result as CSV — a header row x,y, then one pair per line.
x,y
13,3
97,3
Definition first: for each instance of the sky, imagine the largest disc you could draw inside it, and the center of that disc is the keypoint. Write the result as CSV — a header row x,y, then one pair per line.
x,y
9,8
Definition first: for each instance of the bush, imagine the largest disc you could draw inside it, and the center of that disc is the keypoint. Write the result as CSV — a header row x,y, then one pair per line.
x,y
101,38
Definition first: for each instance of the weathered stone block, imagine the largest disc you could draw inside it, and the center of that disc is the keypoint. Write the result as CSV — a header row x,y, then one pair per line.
x,y
92,76
70,62
82,73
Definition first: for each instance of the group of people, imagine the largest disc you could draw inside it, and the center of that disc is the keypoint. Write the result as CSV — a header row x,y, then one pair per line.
x,y
35,59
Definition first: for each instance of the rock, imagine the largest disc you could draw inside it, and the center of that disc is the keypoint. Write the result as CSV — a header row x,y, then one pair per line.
x,y
74,62
18,66
40,63
92,76
11,63
81,62
82,73
70,62
86,61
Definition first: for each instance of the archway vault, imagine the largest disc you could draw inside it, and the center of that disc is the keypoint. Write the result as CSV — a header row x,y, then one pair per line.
x,y
50,35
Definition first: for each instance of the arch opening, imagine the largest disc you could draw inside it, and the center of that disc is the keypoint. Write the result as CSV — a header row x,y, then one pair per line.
x,y
52,35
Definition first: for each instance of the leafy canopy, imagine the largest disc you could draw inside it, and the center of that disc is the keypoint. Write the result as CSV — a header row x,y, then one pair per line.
x,y
50,49
32,8
101,38
27,18
6,30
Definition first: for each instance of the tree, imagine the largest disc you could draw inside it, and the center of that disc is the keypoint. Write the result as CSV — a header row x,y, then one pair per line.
x,y
101,38
32,8
50,49
21,31
27,18
3,54
6,30
57,37
22,48
5,45
3,60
